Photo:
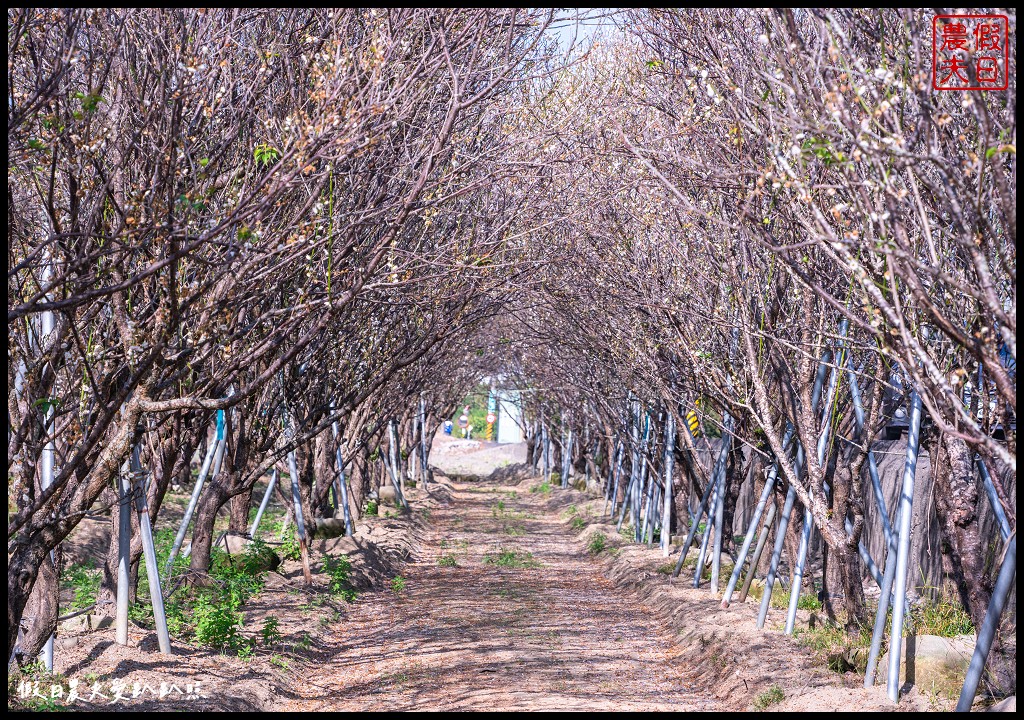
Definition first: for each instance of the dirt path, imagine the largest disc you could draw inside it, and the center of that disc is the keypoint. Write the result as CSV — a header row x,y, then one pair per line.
x,y
479,635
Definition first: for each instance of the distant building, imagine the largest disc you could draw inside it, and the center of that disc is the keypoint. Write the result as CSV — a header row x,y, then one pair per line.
x,y
510,417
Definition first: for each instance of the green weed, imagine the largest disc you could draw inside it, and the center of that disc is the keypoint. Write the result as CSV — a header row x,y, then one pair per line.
x,y
290,549
217,624
398,584
511,559
598,543
771,696
84,584
941,617
809,601
339,569
271,633
447,561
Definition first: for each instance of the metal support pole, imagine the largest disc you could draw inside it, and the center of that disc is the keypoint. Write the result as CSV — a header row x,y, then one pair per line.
x,y
780,539
798,571
46,458
300,524
393,468
627,498
787,507
634,467
1004,584
694,522
769,485
423,455
124,541
885,590
876,485
762,539
709,528
666,511
720,530
567,459
993,498
544,451
903,552
45,480
216,453
343,484
264,503
149,553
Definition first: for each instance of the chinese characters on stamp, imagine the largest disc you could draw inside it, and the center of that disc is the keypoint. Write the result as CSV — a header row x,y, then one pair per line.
x,y
969,52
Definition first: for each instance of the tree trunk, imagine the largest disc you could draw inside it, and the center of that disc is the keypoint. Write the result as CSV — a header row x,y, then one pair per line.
x,y
22,570
846,564
202,531
956,503
40,616
238,511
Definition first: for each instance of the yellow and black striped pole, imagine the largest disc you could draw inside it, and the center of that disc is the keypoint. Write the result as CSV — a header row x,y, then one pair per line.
x,y
693,423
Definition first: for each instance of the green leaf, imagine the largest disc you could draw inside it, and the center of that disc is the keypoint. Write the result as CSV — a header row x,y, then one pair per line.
x,y
203,162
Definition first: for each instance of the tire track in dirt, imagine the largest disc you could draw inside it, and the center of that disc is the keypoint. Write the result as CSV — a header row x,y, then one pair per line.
x,y
478,636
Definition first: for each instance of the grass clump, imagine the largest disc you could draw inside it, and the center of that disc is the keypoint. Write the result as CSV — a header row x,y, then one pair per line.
x,y
271,633
398,584
544,488
598,544
809,601
837,648
83,583
511,559
210,612
339,569
578,523
447,560
771,696
289,548
941,617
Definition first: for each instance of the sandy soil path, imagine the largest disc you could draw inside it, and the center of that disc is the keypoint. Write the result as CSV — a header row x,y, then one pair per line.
x,y
555,635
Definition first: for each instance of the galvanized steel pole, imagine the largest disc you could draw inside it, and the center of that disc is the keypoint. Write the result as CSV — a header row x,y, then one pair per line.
x,y
149,553
216,452
1004,584
769,485
264,503
903,551
666,511
124,540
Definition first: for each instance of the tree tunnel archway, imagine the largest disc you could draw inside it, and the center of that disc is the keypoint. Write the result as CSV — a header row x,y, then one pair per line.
x,y
709,245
